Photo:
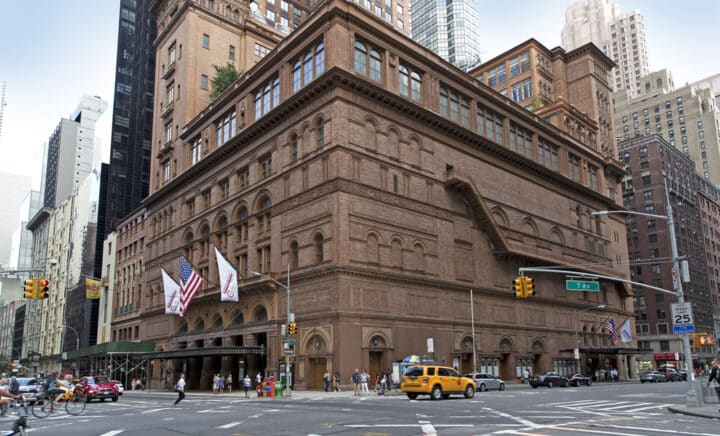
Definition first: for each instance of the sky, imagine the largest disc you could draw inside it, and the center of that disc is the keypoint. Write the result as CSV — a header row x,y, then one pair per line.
x,y
54,51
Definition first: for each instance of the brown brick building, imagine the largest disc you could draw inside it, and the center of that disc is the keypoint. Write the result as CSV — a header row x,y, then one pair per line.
x,y
649,161
391,183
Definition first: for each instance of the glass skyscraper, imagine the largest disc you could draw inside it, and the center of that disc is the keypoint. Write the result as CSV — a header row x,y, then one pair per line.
x,y
449,28
129,176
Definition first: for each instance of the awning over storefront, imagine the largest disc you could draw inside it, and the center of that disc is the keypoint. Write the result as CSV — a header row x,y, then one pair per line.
x,y
607,350
110,347
203,352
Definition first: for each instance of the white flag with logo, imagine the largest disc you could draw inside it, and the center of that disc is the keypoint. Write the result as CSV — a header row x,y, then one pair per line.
x,y
228,278
625,332
172,294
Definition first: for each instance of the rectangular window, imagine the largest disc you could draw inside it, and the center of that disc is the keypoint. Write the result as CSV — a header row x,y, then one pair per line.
x,y
166,171
573,167
168,133
206,40
231,52
520,140
265,166
547,154
204,82
195,151
592,176
490,124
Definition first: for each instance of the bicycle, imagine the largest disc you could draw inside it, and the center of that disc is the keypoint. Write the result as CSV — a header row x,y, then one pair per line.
x,y
20,424
74,404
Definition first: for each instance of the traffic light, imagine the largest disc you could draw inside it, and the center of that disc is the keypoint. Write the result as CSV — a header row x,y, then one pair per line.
x,y
42,289
529,286
292,328
31,288
519,287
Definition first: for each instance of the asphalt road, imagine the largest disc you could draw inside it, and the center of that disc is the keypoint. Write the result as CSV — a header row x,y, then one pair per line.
x,y
623,409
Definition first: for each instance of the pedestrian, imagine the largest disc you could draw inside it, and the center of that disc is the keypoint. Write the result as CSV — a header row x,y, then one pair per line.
x,y
180,389
228,383
336,382
714,373
356,382
246,384
383,384
326,379
215,383
364,377
526,376
221,383
615,374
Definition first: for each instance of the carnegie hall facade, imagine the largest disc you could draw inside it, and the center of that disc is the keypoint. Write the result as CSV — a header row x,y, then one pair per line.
x,y
390,184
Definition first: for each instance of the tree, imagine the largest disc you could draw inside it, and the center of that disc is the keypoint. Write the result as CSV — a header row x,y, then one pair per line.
x,y
224,77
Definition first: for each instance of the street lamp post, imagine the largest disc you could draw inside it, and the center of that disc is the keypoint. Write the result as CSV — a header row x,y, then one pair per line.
x,y
77,338
288,391
691,397
577,336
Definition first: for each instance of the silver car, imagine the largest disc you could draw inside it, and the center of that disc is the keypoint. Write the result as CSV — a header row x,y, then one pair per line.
x,y
485,381
30,388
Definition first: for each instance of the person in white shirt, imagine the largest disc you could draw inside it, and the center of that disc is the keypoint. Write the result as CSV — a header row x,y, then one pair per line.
x,y
180,389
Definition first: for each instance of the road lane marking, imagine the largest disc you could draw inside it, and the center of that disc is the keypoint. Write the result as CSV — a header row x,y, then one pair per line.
x,y
230,425
660,430
514,418
158,410
658,406
113,433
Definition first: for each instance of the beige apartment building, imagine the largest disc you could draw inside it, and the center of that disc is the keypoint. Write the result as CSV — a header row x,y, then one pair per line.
x,y
620,35
390,183
686,117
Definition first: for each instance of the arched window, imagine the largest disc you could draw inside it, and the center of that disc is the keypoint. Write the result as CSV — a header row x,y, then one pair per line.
x,y
294,255
222,232
294,147
319,59
404,80
320,133
375,66
243,224
263,218
205,243
318,243
360,58
416,87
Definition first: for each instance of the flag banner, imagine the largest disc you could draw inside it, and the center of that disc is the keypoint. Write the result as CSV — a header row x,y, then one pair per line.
x,y
228,278
172,294
190,283
92,288
625,332
613,331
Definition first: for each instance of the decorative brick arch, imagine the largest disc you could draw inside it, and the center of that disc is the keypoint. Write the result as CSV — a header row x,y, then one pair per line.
x,y
383,340
506,344
316,342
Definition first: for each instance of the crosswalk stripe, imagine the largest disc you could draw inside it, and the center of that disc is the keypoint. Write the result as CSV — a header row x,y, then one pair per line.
x,y
230,425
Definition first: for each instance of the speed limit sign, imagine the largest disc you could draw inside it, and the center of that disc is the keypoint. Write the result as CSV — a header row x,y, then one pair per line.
x,y
682,318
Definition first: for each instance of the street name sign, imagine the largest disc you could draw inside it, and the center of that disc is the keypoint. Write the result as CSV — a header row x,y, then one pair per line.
x,y
582,285
682,318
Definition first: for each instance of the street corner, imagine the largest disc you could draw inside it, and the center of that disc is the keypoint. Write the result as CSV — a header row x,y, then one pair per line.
x,y
706,411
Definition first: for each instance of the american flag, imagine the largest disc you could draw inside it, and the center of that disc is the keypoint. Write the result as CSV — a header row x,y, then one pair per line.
x,y
190,282
613,331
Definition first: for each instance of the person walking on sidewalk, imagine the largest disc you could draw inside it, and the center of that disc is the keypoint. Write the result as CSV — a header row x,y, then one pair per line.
x,y
326,379
336,382
180,389
364,377
356,382
228,383
246,384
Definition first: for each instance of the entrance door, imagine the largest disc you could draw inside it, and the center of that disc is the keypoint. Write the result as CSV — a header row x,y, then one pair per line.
x,y
374,365
318,366
466,364
506,371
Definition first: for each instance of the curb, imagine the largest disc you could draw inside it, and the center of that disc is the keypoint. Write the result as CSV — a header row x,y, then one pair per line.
x,y
690,413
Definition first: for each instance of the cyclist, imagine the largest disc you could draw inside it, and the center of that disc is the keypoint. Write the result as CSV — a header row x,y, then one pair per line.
x,y
4,402
55,388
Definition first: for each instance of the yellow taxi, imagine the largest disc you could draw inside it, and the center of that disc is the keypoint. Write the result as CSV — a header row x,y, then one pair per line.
x,y
436,381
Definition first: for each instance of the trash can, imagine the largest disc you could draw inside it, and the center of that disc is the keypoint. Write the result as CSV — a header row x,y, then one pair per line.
x,y
279,389
259,390
271,390
265,389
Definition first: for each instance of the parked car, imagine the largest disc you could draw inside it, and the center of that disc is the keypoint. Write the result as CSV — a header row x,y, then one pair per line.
x,y
99,388
652,377
436,381
30,388
579,380
119,386
549,379
485,381
670,374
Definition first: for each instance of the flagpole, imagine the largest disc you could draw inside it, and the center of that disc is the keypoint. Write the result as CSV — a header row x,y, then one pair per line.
x,y
197,270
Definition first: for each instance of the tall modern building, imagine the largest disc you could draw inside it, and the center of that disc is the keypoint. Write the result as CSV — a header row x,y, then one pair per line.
x,y
22,239
686,117
448,28
621,35
13,189
129,174
70,151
